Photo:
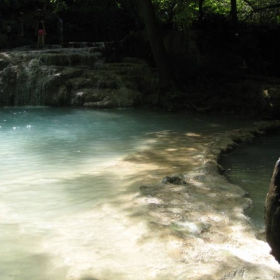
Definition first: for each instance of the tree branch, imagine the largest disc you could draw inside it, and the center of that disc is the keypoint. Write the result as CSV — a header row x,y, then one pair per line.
x,y
256,10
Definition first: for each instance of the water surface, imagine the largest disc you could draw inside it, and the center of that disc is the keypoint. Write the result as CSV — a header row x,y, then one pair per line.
x,y
58,170
250,167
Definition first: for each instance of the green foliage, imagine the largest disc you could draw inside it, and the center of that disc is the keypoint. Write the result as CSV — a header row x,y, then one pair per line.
x,y
173,13
59,5
181,13
185,14
177,13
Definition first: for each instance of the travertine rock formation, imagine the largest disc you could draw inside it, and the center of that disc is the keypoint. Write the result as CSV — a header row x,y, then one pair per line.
x,y
272,213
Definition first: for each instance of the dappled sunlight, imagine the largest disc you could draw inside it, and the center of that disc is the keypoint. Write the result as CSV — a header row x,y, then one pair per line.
x,y
171,150
207,211
99,210
189,134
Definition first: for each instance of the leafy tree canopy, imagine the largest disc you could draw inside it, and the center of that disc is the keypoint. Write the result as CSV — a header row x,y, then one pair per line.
x,y
179,14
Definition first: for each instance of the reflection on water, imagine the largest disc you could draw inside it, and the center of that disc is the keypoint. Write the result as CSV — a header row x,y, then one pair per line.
x,y
58,169
251,167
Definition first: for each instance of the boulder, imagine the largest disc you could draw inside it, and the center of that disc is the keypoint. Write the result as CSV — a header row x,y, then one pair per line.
x,y
272,213
175,180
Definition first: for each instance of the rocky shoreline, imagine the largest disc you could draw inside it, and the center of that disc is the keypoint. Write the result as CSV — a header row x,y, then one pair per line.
x,y
199,210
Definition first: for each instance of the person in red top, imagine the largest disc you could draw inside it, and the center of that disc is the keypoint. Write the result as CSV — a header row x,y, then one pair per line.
x,y
41,32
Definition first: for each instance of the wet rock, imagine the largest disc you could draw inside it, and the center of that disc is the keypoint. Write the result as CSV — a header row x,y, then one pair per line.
x,y
149,190
272,213
261,235
190,226
3,64
72,77
105,103
176,180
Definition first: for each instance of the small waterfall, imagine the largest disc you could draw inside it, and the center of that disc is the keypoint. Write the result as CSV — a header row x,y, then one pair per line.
x,y
72,76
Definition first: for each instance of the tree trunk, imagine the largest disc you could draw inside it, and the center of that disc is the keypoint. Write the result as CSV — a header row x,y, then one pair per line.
x,y
155,39
233,13
200,10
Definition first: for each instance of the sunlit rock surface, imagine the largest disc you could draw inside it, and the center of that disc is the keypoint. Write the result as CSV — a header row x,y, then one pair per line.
x,y
71,77
202,222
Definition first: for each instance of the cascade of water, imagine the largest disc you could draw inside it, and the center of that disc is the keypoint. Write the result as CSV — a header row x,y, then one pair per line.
x,y
70,77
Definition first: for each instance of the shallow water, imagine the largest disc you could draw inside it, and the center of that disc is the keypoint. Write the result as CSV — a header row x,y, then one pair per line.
x,y
59,169
250,167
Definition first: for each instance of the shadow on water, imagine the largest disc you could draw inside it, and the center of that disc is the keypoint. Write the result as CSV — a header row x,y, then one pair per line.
x,y
250,166
169,149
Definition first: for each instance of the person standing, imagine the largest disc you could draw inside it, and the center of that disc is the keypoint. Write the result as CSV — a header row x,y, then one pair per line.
x,y
41,32
60,29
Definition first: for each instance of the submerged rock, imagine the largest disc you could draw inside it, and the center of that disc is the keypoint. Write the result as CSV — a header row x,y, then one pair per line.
x,y
272,213
176,180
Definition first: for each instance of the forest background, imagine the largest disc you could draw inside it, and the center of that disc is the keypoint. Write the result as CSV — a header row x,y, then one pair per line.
x,y
211,55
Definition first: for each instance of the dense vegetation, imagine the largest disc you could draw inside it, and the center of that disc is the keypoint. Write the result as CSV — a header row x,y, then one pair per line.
x,y
210,54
